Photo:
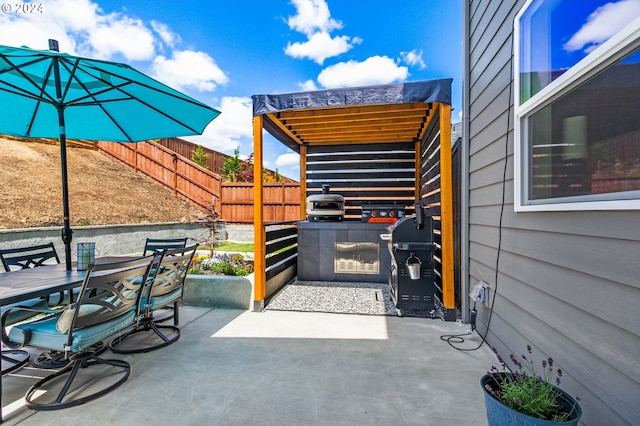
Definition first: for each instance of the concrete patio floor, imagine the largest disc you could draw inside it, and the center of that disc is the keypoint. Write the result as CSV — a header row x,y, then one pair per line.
x,y
236,367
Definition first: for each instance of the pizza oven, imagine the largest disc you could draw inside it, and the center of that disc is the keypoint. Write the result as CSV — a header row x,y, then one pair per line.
x,y
325,206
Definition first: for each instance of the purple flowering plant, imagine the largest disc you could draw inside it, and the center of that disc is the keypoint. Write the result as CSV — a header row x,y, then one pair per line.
x,y
528,391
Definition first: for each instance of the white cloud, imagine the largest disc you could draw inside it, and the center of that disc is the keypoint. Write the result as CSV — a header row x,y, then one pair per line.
x,y
413,58
288,160
232,129
602,24
83,28
321,46
189,69
113,34
80,27
308,86
312,16
34,29
165,33
374,70
314,20
22,32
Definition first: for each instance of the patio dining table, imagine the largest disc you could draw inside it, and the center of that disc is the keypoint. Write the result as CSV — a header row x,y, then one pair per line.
x,y
24,284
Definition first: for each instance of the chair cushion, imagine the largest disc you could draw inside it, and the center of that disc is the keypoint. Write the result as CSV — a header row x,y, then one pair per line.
x,y
158,302
45,335
64,322
18,315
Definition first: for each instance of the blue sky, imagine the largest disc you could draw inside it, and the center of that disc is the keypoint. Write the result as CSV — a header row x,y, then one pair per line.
x,y
223,51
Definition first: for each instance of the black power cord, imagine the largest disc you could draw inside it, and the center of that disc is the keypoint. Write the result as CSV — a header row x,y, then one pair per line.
x,y
458,338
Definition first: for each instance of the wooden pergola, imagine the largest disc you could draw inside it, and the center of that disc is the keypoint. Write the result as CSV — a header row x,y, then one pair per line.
x,y
375,115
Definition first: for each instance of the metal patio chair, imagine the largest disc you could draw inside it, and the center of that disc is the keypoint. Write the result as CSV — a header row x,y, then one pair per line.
x,y
28,257
165,287
158,245
16,259
32,257
107,304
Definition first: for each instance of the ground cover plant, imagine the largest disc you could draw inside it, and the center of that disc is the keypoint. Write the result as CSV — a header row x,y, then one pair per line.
x,y
221,264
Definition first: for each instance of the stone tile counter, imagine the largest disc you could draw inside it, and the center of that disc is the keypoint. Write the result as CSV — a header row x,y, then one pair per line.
x,y
334,251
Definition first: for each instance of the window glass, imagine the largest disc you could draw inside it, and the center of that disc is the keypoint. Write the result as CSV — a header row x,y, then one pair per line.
x,y
587,142
557,34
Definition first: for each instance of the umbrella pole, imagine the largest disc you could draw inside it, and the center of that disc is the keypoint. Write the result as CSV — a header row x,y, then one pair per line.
x,y
67,232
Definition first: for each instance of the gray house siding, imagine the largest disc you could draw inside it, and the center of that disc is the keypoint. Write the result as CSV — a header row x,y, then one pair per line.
x,y
568,283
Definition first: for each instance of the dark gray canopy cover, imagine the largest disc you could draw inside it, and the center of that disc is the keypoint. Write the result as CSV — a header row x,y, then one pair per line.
x,y
402,93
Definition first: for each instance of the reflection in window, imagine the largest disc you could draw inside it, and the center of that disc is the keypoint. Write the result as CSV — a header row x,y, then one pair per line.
x,y
588,141
557,34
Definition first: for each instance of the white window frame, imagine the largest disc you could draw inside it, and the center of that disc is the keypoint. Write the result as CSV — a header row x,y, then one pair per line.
x,y
614,49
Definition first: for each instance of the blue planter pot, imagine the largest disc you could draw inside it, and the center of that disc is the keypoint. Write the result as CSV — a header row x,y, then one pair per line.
x,y
499,414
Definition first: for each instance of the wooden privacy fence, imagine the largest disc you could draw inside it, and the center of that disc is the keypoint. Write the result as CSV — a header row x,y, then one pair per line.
x,y
215,160
201,187
186,179
281,201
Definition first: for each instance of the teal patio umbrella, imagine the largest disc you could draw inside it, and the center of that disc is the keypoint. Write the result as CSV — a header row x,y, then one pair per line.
x,y
48,94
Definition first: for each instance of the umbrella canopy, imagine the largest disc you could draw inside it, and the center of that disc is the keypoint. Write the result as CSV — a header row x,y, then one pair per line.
x,y
47,94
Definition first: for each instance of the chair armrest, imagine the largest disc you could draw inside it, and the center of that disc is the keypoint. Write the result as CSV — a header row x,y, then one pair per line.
x,y
5,338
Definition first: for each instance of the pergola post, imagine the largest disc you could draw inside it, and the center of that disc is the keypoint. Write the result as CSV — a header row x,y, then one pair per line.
x,y
446,211
259,237
418,166
303,182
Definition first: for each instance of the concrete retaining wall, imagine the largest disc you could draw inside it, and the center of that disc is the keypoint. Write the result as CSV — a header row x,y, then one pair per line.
x,y
111,240
240,233
218,291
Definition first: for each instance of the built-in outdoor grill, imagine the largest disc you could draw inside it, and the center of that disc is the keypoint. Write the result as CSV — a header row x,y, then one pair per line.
x,y
382,213
411,275
325,206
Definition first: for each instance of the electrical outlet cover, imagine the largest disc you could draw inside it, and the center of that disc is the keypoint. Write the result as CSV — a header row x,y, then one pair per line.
x,y
477,293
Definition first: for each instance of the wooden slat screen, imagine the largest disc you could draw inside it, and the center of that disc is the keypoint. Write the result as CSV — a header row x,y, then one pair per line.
x,y
363,174
430,190
281,247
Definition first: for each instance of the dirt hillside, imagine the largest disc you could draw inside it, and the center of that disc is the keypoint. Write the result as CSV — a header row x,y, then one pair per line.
x,y
101,190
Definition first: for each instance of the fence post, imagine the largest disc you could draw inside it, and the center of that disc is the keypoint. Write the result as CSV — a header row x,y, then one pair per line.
x,y
283,206
175,174
135,158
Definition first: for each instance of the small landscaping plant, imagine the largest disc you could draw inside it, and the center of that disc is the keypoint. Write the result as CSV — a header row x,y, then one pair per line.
x,y
527,391
221,264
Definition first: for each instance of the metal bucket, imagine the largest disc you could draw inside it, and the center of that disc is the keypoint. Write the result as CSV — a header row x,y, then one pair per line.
x,y
86,255
413,266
